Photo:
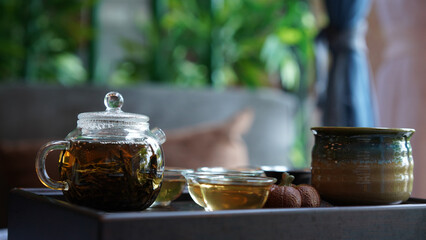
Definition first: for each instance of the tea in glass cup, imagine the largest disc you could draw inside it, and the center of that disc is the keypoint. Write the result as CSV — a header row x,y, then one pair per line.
x,y
172,187
194,187
223,192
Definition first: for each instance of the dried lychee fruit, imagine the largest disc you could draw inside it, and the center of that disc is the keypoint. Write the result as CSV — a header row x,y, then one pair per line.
x,y
310,196
284,195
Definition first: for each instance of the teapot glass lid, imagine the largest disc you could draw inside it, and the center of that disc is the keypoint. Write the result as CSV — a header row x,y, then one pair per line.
x,y
112,115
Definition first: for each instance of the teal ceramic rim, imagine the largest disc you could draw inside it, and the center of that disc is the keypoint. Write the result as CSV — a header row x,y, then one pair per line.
x,y
363,130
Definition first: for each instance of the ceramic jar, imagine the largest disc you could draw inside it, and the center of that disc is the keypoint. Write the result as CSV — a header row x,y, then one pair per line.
x,y
352,165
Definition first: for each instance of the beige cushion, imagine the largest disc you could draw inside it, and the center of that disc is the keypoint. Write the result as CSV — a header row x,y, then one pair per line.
x,y
210,145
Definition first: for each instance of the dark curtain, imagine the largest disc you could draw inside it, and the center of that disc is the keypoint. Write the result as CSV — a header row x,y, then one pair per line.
x,y
343,75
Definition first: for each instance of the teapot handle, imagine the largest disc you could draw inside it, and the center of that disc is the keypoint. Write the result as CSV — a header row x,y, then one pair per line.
x,y
41,164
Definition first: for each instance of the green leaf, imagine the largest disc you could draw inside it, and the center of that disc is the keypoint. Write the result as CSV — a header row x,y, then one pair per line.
x,y
290,36
290,74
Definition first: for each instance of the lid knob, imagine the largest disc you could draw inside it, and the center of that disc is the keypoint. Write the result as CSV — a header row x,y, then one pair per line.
x,y
113,101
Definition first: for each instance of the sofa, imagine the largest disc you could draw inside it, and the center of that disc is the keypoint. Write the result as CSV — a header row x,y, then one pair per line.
x,y
204,127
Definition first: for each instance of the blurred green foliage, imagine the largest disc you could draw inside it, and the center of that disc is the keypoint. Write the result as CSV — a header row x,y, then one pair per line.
x,y
40,40
249,43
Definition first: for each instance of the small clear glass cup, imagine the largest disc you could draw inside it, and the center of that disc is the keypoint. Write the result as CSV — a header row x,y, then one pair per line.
x,y
194,188
225,192
236,171
172,187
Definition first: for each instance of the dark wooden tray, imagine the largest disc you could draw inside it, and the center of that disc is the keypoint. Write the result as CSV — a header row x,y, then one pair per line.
x,y
43,214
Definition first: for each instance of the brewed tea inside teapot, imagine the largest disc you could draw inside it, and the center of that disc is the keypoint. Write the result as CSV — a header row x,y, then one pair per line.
x,y
111,161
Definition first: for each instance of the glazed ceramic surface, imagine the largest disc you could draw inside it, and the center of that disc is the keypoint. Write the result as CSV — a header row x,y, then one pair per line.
x,y
352,165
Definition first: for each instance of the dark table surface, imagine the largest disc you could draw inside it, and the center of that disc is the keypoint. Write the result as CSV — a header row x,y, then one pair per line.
x,y
43,213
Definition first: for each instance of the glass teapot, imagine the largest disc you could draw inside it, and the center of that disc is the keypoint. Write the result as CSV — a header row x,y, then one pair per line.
x,y
111,161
